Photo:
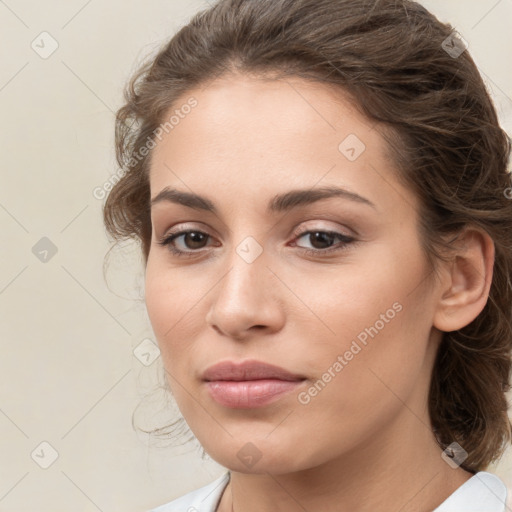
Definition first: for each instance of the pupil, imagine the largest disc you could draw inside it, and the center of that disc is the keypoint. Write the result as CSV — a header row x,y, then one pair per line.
x,y
195,237
323,237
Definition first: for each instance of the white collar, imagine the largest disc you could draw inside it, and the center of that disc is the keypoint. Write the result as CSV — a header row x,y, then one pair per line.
x,y
483,492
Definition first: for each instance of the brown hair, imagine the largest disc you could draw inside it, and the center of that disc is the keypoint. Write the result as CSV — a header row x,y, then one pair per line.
x,y
392,57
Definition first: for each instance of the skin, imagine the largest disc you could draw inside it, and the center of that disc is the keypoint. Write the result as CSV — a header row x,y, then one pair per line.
x,y
365,441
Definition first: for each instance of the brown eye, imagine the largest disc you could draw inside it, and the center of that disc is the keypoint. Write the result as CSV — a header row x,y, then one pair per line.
x,y
319,239
192,241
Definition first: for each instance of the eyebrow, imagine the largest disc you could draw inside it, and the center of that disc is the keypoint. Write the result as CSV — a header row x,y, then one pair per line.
x,y
279,203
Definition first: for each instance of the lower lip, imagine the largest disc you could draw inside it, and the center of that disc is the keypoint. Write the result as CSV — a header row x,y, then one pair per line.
x,y
249,393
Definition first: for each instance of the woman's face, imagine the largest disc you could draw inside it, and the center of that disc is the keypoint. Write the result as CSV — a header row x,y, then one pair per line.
x,y
334,290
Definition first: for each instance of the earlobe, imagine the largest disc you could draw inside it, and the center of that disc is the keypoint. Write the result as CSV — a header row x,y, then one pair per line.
x,y
466,282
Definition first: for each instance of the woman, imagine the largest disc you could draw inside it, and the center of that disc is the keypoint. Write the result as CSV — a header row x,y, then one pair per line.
x,y
320,192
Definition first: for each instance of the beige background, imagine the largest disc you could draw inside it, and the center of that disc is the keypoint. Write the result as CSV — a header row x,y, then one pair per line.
x,y
69,376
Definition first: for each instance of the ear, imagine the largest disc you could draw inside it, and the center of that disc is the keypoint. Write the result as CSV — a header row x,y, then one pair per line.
x,y
466,281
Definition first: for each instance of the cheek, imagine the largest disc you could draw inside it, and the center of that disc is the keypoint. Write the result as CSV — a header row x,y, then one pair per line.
x,y
170,306
176,305
372,331
169,295
167,314
158,298
360,387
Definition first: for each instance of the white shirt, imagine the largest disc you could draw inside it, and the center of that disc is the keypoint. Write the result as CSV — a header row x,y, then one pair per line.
x,y
483,492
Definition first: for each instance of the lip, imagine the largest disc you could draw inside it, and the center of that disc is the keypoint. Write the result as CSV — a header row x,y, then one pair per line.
x,y
248,370
249,384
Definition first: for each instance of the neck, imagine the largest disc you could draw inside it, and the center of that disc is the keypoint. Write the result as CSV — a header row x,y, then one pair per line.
x,y
390,471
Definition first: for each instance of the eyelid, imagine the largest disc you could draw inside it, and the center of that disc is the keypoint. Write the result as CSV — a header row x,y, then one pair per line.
x,y
301,230
186,226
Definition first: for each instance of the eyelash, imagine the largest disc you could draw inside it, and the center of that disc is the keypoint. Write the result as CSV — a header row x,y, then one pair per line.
x,y
167,240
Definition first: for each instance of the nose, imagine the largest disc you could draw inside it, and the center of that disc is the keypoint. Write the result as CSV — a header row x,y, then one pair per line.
x,y
246,300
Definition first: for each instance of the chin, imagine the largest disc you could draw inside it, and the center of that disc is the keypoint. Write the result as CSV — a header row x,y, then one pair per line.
x,y
260,458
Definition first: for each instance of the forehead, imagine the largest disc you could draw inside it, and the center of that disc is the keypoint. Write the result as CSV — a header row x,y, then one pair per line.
x,y
249,134
266,107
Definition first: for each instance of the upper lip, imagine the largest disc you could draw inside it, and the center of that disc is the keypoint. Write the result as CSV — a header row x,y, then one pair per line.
x,y
248,370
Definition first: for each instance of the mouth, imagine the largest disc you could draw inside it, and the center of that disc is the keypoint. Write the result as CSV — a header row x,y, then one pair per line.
x,y
249,384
